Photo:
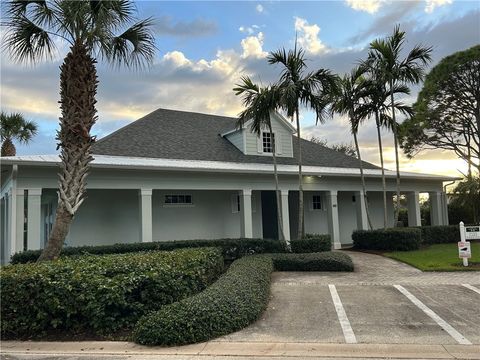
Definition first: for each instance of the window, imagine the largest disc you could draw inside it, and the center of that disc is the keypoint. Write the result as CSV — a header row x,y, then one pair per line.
x,y
178,200
236,204
316,202
267,142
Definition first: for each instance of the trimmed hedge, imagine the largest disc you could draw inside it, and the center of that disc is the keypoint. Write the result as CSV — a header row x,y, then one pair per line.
x,y
402,239
100,294
232,248
311,243
439,234
237,299
233,302
325,261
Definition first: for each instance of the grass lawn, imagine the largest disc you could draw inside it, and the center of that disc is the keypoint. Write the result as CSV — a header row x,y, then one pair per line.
x,y
438,257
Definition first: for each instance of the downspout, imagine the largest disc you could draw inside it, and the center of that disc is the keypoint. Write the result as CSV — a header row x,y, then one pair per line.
x,y
445,200
13,211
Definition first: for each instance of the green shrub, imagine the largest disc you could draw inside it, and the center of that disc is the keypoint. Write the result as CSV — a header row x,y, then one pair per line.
x,y
402,239
311,243
233,302
232,248
439,234
100,294
325,261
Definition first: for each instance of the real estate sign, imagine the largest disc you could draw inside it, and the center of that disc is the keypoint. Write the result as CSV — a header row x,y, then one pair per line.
x,y
464,250
472,232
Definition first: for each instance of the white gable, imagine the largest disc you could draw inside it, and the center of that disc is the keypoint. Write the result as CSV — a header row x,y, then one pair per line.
x,y
251,144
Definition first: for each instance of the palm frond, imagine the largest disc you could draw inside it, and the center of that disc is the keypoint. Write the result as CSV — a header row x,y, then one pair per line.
x,y
134,48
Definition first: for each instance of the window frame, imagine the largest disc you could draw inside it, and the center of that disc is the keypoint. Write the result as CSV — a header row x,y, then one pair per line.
x,y
178,197
271,138
317,199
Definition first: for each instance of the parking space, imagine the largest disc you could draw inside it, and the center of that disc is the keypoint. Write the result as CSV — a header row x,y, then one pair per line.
x,y
295,314
458,305
382,302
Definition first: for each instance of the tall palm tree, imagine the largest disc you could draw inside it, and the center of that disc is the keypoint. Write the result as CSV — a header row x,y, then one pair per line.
x,y
378,105
349,101
15,127
386,54
105,30
260,102
297,87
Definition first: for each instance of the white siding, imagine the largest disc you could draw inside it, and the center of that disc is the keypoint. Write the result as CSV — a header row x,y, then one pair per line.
x,y
236,139
282,133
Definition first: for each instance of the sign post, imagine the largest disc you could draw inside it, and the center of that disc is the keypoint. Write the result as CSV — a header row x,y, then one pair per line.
x,y
464,250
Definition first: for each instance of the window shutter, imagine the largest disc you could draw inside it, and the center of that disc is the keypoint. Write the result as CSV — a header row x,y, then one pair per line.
x,y
278,144
310,203
259,144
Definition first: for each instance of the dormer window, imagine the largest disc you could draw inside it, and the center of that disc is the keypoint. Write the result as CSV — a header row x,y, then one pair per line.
x,y
267,142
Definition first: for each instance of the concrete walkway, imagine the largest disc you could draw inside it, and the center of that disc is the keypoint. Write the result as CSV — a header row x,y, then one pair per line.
x,y
385,309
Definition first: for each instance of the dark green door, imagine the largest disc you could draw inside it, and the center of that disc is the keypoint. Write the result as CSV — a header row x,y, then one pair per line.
x,y
269,215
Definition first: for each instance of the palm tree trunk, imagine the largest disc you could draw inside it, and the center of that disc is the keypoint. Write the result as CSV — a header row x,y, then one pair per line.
x,y
397,160
8,149
362,176
384,185
300,232
277,190
78,88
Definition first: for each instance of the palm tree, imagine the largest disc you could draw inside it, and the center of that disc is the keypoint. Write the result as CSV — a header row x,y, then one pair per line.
x,y
297,87
260,102
15,127
106,30
386,55
378,105
350,101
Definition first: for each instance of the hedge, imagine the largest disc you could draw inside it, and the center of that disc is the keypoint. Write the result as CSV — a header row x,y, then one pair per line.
x,y
402,239
237,299
311,243
100,294
232,248
438,234
325,261
233,302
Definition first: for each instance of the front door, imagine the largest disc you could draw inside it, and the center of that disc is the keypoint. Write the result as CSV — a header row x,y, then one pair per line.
x,y
269,215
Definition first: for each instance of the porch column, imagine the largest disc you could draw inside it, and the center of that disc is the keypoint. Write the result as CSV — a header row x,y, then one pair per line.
x,y
445,208
246,210
413,206
285,215
19,221
436,208
33,218
145,215
333,225
362,220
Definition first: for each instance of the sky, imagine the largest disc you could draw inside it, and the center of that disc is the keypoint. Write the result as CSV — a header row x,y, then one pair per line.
x,y
204,47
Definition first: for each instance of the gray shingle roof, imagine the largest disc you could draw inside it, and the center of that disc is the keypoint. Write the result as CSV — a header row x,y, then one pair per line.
x,y
172,134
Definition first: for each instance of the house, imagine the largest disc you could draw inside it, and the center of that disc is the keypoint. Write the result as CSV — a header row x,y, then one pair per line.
x,y
184,175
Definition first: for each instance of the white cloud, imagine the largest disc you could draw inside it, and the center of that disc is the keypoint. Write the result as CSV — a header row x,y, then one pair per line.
x,y
247,29
259,8
432,4
308,36
252,46
370,6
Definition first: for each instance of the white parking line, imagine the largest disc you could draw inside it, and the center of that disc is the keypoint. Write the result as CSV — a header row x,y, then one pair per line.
x,y
471,287
342,317
442,323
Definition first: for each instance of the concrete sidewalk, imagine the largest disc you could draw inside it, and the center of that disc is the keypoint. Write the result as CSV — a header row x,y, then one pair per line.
x,y
238,350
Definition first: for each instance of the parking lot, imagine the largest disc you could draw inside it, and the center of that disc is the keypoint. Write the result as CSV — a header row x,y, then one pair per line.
x,y
382,302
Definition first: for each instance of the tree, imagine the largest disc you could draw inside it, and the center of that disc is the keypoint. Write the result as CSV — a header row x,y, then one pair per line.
x,y
386,55
344,148
350,101
447,110
297,87
377,105
15,127
259,104
466,195
89,28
